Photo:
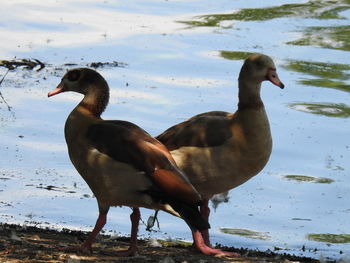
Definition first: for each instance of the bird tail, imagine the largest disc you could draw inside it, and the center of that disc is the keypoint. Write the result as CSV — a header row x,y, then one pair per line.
x,y
190,213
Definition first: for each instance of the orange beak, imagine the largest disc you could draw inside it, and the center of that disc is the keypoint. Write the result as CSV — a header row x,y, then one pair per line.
x,y
273,77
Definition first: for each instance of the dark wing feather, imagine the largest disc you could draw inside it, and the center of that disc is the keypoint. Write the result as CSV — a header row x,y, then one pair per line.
x,y
120,142
128,143
204,130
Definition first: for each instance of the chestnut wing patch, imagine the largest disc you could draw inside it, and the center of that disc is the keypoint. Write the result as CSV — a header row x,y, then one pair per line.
x,y
128,143
203,130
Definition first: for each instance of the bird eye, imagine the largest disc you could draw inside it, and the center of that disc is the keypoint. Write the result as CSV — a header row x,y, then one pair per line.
x,y
73,75
259,65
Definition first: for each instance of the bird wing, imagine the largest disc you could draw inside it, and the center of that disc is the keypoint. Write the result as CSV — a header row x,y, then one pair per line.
x,y
204,130
126,142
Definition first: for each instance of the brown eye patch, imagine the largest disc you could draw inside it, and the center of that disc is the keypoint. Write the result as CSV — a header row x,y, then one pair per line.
x,y
259,64
73,75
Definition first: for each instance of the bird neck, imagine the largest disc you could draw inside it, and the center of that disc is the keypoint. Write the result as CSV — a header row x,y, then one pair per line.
x,y
249,95
95,101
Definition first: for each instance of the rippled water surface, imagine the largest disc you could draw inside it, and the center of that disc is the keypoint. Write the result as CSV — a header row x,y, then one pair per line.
x,y
176,59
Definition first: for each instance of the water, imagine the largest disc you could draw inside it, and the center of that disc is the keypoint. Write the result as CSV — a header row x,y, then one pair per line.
x,y
183,58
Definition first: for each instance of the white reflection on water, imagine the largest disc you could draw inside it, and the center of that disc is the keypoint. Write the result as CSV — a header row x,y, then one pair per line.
x,y
32,24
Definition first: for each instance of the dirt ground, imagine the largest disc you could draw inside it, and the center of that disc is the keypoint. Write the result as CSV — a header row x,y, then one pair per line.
x,y
31,244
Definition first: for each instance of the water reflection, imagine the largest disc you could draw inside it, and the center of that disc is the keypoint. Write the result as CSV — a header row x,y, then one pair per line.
x,y
327,109
327,75
333,37
330,238
245,233
305,178
234,55
312,9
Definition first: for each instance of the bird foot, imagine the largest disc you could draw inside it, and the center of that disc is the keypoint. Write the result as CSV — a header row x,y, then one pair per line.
x,y
202,247
216,252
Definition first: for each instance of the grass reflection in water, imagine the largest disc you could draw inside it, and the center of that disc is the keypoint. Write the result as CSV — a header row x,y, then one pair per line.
x,y
312,9
305,178
332,37
330,238
326,75
327,109
245,233
234,55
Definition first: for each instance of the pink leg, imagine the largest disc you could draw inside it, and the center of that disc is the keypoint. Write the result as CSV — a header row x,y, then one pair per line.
x,y
203,248
135,220
100,223
205,212
86,246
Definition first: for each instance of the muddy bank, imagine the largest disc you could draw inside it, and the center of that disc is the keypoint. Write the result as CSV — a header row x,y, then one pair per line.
x,y
32,244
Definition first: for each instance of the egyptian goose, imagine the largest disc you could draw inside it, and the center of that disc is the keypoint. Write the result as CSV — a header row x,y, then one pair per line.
x,y
123,164
219,150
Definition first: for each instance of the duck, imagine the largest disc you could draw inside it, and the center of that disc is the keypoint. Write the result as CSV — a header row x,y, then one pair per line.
x,y
221,150
123,165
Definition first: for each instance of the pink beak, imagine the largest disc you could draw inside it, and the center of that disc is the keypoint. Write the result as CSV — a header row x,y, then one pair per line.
x,y
55,91
273,77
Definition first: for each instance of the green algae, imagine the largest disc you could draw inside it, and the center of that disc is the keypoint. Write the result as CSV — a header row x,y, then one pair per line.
x,y
327,109
245,233
305,178
331,37
312,9
326,75
330,238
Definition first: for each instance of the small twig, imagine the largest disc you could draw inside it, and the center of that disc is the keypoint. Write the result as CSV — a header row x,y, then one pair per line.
x,y
42,65
2,97
107,64
4,76
26,63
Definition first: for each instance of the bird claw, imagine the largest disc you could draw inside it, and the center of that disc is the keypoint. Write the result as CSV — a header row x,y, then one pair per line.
x,y
202,247
216,252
